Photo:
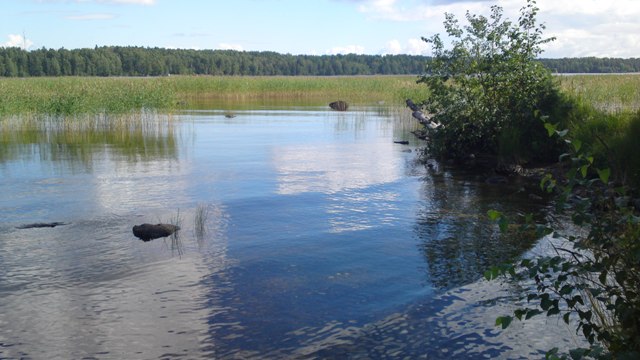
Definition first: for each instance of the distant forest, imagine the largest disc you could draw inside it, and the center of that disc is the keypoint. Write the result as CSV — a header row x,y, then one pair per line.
x,y
141,61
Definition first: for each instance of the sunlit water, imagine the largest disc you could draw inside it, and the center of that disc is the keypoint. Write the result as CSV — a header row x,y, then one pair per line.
x,y
322,239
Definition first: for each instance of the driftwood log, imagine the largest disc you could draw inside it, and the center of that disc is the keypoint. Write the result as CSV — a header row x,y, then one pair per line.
x,y
421,117
146,232
339,105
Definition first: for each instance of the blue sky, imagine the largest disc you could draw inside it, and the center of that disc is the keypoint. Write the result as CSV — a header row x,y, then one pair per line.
x,y
583,27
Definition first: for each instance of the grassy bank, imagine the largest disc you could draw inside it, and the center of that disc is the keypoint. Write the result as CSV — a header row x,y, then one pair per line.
x,y
76,95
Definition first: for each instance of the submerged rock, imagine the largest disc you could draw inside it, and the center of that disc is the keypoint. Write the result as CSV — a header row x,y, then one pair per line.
x,y
146,232
41,225
339,105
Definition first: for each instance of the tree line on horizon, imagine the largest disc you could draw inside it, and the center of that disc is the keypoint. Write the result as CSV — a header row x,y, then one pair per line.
x,y
142,61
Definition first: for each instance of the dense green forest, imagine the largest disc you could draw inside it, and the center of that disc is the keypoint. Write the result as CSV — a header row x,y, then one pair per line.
x,y
140,61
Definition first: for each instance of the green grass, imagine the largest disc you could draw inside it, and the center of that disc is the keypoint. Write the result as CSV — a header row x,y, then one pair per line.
x,y
604,114
352,89
609,93
82,95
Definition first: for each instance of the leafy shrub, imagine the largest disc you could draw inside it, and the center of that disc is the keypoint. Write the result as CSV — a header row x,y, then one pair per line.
x,y
488,91
593,280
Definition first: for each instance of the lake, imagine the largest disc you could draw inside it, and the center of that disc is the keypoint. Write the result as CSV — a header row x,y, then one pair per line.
x,y
305,233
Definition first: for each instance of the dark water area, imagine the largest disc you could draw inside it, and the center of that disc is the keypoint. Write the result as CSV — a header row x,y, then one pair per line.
x,y
305,233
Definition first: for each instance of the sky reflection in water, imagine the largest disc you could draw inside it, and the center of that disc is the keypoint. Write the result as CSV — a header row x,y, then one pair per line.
x,y
319,230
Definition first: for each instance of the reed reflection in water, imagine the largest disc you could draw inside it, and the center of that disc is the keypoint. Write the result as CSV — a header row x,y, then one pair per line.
x,y
135,136
305,233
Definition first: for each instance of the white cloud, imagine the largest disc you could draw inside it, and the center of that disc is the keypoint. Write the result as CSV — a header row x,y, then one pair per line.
x,y
411,47
417,47
96,16
17,41
225,46
582,27
348,49
395,10
393,47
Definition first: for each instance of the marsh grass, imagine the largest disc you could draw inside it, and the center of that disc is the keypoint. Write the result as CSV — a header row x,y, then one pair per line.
x,y
353,89
200,222
610,93
82,95
176,245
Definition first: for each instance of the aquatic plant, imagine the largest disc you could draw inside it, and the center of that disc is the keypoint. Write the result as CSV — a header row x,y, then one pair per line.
x,y
176,242
200,221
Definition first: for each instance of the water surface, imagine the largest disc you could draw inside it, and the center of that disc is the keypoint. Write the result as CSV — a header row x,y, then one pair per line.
x,y
323,239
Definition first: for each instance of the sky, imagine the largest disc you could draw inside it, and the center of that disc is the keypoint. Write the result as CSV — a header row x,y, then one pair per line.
x,y
601,28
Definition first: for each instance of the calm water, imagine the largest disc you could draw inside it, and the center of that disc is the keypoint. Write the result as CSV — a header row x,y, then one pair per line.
x,y
322,239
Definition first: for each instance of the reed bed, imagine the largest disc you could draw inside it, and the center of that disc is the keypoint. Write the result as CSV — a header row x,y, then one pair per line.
x,y
353,89
82,95
612,93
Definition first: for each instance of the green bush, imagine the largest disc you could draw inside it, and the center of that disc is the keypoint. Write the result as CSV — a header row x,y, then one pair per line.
x,y
593,280
488,91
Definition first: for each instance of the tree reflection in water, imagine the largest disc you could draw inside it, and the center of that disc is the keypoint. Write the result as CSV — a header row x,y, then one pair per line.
x,y
456,237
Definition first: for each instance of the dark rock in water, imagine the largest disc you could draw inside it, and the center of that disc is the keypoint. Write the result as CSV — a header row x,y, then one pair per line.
x,y
403,142
146,232
339,105
41,225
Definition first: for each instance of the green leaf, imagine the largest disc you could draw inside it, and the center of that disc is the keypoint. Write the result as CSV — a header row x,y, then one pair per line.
x,y
531,313
552,354
604,175
545,303
551,129
504,321
488,275
504,224
494,215
577,145
565,317
566,290
583,170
